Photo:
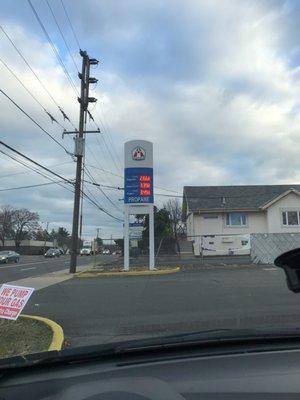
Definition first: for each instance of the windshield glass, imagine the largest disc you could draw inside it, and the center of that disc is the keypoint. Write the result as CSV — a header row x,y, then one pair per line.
x,y
149,169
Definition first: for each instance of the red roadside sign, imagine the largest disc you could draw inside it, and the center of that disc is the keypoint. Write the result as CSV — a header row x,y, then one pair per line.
x,y
12,300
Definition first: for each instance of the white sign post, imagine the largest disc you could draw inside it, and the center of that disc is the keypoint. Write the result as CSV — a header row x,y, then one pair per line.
x,y
138,191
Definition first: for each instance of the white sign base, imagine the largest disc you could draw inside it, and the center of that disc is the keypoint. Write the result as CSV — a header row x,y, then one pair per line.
x,y
134,210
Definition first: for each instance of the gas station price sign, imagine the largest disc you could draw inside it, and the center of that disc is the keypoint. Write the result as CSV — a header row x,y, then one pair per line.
x,y
138,185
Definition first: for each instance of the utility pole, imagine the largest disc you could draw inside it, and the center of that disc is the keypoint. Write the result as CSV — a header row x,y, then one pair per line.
x,y
84,101
46,234
95,247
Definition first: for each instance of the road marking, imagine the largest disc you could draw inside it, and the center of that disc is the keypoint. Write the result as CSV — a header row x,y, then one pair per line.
x,y
270,269
27,269
29,263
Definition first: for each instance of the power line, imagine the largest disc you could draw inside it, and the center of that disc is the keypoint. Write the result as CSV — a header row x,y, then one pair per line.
x,y
33,169
34,121
31,94
105,144
104,186
98,163
108,150
20,173
122,177
107,129
105,171
55,51
35,162
29,186
102,191
70,23
53,173
62,35
35,75
101,208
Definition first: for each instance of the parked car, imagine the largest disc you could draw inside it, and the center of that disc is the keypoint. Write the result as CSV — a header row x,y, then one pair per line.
x,y
9,256
51,253
86,251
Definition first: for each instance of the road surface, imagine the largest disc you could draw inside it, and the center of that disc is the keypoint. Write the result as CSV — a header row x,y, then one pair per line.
x,y
97,310
30,266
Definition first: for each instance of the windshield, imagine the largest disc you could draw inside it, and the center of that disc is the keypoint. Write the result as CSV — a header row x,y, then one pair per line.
x,y
149,178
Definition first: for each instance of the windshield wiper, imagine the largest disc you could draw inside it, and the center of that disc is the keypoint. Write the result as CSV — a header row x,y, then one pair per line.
x,y
203,339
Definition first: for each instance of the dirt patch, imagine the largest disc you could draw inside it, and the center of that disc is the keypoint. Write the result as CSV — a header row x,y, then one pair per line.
x,y
23,336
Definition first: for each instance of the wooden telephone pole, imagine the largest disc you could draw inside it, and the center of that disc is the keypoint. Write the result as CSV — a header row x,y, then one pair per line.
x,y
84,101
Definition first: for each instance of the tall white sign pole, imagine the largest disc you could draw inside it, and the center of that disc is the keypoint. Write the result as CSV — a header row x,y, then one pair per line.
x,y
151,238
138,191
126,238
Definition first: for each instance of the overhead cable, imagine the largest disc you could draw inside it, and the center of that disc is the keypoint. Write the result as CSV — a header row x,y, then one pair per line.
x,y
35,75
35,122
62,35
70,23
35,162
55,51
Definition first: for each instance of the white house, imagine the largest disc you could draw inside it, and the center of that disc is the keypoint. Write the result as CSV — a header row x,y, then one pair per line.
x,y
220,219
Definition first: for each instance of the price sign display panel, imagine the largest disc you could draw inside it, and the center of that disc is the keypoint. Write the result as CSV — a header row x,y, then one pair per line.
x,y
138,186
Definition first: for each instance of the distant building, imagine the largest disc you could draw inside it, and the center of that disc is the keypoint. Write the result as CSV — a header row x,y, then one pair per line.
x,y
220,219
30,247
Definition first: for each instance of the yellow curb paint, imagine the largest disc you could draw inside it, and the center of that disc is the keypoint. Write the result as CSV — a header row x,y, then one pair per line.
x,y
58,333
91,274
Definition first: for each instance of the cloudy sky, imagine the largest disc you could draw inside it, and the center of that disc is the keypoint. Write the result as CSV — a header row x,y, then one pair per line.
x,y
214,85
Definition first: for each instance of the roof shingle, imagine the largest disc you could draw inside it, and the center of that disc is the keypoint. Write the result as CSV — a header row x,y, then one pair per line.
x,y
248,197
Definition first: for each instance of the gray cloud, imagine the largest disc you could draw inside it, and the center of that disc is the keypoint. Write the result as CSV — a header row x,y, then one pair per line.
x,y
213,84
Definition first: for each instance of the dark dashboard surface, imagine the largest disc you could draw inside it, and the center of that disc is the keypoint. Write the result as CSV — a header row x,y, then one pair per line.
x,y
243,375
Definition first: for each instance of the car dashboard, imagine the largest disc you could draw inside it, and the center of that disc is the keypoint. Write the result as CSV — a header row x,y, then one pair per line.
x,y
187,375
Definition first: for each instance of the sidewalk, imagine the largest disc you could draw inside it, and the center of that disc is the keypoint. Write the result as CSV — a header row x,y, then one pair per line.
x,y
49,279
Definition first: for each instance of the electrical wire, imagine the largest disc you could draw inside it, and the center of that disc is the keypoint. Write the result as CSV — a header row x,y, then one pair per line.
x,y
33,169
105,171
36,76
122,177
29,186
108,150
108,132
70,23
101,208
31,94
53,173
104,186
106,177
34,121
35,162
102,191
55,51
21,173
62,35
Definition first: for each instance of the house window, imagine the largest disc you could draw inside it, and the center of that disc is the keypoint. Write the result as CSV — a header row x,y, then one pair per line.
x,y
291,218
236,219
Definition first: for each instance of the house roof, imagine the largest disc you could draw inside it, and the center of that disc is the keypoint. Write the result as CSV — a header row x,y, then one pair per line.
x,y
250,197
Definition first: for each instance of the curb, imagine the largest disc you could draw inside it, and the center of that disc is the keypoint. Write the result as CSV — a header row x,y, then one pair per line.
x,y
91,274
58,333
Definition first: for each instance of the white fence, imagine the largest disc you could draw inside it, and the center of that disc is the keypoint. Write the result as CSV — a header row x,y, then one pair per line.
x,y
221,245
265,247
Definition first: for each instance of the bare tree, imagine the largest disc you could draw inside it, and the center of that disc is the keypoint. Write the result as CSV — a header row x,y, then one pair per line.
x,y
173,207
25,223
6,222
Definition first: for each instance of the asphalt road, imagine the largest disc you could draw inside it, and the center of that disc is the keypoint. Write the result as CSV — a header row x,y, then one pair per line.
x,y
30,266
97,310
